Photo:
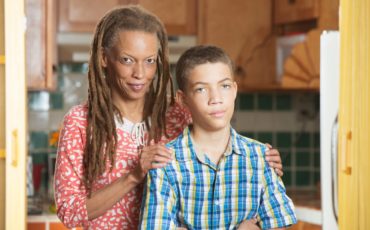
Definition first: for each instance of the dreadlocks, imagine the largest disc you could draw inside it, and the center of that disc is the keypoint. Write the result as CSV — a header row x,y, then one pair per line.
x,y
101,136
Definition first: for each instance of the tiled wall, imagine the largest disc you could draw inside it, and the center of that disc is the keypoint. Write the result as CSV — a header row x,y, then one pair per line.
x,y
290,123
45,114
287,120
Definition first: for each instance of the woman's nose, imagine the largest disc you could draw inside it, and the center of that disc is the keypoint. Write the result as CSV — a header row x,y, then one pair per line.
x,y
139,71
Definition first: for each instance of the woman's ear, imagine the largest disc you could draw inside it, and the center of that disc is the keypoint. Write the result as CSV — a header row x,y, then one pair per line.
x,y
104,59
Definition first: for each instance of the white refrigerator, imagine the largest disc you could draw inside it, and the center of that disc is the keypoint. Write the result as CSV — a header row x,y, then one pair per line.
x,y
329,103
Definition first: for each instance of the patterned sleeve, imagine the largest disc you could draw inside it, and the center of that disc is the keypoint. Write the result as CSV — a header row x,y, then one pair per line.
x,y
276,208
177,118
70,195
158,210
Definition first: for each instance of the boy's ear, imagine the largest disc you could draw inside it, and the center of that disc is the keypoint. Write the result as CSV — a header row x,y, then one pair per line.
x,y
180,97
236,89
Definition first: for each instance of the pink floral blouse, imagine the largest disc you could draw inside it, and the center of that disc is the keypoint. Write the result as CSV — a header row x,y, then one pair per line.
x,y
70,193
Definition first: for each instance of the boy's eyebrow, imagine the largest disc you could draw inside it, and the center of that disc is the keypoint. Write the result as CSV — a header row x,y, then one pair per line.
x,y
205,83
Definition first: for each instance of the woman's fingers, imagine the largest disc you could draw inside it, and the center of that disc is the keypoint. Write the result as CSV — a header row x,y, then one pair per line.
x,y
276,165
279,172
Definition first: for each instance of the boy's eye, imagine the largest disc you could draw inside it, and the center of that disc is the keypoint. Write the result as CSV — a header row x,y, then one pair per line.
x,y
126,60
200,90
226,86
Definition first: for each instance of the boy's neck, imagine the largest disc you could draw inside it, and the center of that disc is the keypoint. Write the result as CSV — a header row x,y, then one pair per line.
x,y
212,143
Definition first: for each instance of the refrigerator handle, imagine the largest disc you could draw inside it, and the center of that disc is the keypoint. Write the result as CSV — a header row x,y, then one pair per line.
x,y
334,167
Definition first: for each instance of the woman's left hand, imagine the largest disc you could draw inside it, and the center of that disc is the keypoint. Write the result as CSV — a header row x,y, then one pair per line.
x,y
274,159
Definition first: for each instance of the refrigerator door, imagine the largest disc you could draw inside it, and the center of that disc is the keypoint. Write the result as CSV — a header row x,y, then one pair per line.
x,y
329,103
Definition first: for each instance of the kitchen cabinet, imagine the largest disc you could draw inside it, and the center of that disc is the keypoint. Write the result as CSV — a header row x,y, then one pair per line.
x,y
302,67
178,16
354,113
290,11
41,57
244,30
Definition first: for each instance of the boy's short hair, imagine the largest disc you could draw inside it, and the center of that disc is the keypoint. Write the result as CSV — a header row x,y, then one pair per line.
x,y
199,55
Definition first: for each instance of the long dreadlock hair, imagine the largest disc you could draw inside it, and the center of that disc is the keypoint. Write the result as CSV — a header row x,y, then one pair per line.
x,y
101,136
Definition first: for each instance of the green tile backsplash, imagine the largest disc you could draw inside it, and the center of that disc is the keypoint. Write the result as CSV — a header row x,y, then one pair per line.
x,y
283,102
38,140
73,68
265,101
286,158
303,178
295,138
283,139
303,140
56,100
265,137
248,134
303,159
287,178
246,101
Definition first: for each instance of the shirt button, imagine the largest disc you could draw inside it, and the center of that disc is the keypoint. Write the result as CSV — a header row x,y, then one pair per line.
x,y
217,202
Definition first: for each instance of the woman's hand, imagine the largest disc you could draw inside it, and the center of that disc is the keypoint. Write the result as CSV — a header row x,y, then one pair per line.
x,y
249,225
274,160
151,157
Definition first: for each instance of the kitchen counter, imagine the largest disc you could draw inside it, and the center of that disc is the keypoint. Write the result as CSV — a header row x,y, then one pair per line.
x,y
307,205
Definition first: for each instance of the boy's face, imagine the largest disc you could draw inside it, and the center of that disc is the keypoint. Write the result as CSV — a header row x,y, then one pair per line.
x,y
210,94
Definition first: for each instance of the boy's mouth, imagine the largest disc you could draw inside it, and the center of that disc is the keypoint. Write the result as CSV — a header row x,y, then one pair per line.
x,y
219,113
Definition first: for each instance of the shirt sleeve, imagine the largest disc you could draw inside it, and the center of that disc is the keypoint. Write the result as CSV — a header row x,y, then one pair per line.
x,y
177,118
276,208
158,210
70,194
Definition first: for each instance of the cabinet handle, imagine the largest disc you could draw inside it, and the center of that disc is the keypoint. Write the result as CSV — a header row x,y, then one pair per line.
x,y
345,166
2,153
14,158
2,59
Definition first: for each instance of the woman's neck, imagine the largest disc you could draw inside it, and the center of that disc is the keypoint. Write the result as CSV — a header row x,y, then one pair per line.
x,y
212,143
129,109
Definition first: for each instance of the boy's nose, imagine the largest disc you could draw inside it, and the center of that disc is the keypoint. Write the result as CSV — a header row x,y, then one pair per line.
x,y
215,97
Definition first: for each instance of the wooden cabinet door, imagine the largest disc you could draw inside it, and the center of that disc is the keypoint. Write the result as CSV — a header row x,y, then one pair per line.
x,y
354,113
41,48
178,16
288,11
15,115
244,30
82,15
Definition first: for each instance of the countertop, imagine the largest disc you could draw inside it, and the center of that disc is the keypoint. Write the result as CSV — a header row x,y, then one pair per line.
x,y
307,205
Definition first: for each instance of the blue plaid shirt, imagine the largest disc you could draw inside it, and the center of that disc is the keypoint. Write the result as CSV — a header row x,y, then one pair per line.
x,y
195,193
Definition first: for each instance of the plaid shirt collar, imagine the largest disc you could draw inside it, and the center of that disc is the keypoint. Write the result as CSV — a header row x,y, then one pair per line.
x,y
189,152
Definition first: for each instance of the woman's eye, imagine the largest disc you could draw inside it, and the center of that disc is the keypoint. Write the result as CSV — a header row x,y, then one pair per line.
x,y
151,60
126,60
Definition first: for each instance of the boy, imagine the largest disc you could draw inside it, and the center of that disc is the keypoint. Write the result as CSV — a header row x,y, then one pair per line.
x,y
218,179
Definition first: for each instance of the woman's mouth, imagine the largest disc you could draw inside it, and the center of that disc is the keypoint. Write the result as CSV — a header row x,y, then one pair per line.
x,y
136,87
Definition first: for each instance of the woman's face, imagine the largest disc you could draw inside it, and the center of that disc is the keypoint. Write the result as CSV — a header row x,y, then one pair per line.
x,y
131,64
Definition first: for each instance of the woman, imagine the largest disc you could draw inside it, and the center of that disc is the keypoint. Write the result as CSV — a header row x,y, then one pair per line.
x,y
127,119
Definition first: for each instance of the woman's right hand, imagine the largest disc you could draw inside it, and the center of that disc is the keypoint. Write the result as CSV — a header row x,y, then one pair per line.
x,y
151,157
